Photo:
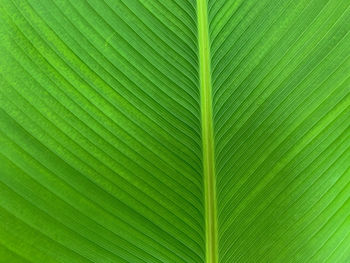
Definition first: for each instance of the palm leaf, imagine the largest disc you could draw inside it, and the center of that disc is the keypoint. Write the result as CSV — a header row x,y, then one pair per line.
x,y
174,131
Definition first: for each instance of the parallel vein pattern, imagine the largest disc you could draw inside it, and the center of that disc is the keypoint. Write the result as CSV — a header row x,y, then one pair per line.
x,y
103,152
280,72
100,132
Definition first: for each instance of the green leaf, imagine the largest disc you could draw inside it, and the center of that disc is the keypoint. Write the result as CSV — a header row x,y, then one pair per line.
x,y
174,131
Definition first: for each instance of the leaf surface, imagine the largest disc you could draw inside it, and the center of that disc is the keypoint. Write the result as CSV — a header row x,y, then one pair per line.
x,y
174,131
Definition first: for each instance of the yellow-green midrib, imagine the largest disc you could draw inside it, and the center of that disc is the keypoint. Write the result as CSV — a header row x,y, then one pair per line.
x,y
207,133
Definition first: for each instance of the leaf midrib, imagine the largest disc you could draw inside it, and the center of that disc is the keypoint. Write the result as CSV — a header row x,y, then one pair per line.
x,y
207,132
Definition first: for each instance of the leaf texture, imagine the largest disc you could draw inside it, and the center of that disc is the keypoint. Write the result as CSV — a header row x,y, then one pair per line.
x,y
280,73
103,153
